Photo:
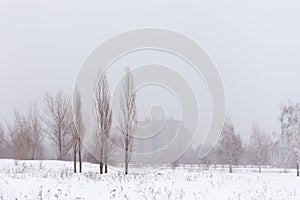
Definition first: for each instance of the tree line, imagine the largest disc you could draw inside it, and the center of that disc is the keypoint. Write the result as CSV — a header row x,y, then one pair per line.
x,y
280,149
59,125
63,125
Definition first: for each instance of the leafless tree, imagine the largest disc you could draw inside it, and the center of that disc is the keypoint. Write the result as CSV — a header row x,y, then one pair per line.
x,y
77,130
128,118
104,118
20,141
24,139
1,134
58,119
36,131
74,144
2,142
290,133
259,146
229,145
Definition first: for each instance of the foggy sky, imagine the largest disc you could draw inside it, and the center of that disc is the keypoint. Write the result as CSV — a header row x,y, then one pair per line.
x,y
255,45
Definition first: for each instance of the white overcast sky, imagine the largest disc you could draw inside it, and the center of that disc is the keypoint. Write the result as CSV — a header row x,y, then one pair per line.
x,y
255,45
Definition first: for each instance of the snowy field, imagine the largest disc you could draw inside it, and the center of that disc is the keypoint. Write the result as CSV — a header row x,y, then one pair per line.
x,y
56,180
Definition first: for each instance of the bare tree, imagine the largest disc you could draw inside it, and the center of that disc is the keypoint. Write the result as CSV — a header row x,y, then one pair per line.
x,y
2,142
230,145
290,133
58,119
74,144
259,146
36,132
1,134
104,118
128,118
20,142
77,130
24,135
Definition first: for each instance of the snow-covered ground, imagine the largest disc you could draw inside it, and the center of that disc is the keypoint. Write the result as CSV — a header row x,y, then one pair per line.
x,y
55,180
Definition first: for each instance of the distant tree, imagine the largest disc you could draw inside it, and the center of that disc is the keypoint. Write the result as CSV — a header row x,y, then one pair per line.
x,y
274,151
230,145
24,139
77,130
35,124
128,118
104,118
20,141
2,143
290,133
58,119
259,146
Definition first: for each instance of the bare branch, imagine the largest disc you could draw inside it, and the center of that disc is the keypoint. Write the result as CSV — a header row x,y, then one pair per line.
x,y
103,116
128,115
58,119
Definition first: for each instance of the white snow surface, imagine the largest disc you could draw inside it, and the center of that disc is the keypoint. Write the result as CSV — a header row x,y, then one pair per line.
x,y
56,180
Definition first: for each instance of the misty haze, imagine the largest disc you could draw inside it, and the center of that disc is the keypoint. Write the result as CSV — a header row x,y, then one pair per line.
x,y
149,100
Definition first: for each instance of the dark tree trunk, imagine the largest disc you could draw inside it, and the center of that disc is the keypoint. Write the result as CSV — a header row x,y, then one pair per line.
x,y
101,161
126,161
297,169
105,157
79,157
101,167
105,168
230,166
74,159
